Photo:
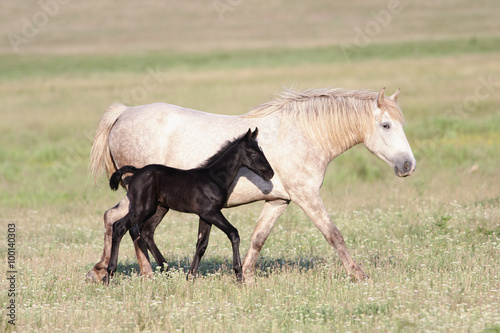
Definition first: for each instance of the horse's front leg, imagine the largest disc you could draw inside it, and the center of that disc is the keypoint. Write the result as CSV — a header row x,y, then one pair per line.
x,y
98,272
313,206
268,217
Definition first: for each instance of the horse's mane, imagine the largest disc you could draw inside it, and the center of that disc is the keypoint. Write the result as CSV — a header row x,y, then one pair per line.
x,y
333,118
225,146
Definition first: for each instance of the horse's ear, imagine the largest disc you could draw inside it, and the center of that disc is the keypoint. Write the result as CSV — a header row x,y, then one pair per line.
x,y
380,98
255,133
395,96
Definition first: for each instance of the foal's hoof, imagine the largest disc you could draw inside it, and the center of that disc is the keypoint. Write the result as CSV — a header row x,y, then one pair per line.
x,y
106,279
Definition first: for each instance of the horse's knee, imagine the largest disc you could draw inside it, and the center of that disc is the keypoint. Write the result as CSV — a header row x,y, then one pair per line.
x,y
258,241
117,212
335,238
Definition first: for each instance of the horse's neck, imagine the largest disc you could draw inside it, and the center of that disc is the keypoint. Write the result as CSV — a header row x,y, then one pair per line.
x,y
340,150
225,168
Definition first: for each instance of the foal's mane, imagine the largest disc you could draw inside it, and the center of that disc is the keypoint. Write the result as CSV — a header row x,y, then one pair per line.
x,y
335,119
225,146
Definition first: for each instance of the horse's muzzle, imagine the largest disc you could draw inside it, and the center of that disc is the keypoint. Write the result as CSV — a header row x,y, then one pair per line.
x,y
405,168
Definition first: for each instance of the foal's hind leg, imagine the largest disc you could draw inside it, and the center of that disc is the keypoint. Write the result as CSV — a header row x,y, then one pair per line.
x,y
97,273
216,218
137,215
147,230
120,227
141,252
201,246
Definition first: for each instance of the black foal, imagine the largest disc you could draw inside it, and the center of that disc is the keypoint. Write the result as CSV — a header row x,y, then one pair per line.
x,y
202,191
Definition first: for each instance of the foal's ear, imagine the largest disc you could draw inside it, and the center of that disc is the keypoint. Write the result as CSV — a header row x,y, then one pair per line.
x,y
255,133
249,134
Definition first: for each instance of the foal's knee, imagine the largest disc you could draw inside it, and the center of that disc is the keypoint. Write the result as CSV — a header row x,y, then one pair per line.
x,y
234,236
119,229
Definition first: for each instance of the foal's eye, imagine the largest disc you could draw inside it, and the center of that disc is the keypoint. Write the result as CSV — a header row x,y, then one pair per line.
x,y
386,125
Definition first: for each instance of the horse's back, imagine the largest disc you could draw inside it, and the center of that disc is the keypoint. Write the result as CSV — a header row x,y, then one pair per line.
x,y
162,133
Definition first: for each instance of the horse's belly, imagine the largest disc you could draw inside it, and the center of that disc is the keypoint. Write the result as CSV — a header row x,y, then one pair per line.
x,y
248,187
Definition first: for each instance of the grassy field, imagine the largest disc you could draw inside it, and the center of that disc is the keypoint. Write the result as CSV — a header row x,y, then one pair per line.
x,y
430,242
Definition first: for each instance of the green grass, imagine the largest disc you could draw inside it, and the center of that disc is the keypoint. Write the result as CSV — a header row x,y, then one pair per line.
x,y
430,242
12,66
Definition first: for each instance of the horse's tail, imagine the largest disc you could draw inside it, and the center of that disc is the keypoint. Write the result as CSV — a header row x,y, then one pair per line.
x,y
115,179
100,156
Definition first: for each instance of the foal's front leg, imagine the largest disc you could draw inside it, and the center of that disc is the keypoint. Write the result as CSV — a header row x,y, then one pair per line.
x,y
201,246
216,218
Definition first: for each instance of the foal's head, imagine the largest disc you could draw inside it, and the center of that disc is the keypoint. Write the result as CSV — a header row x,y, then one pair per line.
x,y
253,157
387,139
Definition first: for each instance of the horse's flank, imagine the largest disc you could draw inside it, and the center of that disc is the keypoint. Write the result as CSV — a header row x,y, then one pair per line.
x,y
334,119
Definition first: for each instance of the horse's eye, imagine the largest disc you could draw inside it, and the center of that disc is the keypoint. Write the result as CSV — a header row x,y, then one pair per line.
x,y
386,125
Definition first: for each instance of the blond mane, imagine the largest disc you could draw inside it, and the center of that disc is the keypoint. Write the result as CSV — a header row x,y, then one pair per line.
x,y
335,119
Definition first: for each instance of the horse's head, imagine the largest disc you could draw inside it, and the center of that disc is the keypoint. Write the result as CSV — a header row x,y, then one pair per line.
x,y
387,139
254,158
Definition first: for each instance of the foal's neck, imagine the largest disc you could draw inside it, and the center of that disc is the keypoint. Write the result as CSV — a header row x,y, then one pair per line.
x,y
224,169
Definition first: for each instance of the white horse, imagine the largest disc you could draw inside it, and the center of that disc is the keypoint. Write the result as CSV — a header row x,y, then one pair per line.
x,y
300,133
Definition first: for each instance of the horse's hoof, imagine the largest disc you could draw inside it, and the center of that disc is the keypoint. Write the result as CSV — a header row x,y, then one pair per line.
x,y
91,277
248,280
359,276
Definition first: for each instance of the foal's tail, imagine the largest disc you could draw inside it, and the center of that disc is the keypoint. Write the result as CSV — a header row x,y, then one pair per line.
x,y
115,179
100,156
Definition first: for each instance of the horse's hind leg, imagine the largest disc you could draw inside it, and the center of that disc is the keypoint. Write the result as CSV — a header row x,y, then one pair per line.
x,y
201,246
98,272
147,231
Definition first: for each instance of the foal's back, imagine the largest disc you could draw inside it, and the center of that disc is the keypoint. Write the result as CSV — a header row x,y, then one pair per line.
x,y
188,191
